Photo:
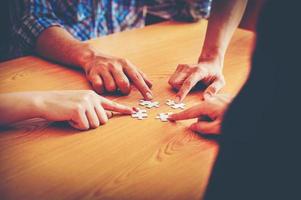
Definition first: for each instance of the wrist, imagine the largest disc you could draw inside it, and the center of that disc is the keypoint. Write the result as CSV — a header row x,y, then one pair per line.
x,y
83,54
212,55
36,105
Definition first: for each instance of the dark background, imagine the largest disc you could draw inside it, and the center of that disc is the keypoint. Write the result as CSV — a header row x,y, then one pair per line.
x,y
4,27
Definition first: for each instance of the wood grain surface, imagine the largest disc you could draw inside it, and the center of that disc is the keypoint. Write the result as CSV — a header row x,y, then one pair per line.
x,y
126,158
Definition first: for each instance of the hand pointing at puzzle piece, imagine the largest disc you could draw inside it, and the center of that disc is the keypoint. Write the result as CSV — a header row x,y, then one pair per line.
x,y
212,109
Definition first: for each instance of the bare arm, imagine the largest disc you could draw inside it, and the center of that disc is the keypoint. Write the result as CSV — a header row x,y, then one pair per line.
x,y
57,44
106,73
225,17
83,109
16,107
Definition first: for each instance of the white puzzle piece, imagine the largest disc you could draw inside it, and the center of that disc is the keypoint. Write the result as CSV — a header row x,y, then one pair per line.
x,y
175,105
170,102
149,104
178,106
163,116
140,114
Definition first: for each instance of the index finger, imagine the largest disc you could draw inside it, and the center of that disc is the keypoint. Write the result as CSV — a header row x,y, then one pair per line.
x,y
190,113
146,79
113,106
140,84
188,85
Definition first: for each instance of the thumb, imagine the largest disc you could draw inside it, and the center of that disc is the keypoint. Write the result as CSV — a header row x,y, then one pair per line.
x,y
206,127
191,113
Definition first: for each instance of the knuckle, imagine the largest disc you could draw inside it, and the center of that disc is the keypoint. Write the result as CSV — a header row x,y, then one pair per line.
x,y
84,102
111,66
96,68
198,69
178,82
78,108
90,75
136,77
188,83
123,61
86,97
91,69
181,66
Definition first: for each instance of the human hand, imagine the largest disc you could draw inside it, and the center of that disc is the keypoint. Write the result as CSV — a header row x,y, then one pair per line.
x,y
83,109
187,76
209,113
107,73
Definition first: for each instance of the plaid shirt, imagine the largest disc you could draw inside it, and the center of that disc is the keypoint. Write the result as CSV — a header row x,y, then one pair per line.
x,y
86,19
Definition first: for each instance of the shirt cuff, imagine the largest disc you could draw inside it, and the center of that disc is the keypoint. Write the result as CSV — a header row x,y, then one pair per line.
x,y
31,27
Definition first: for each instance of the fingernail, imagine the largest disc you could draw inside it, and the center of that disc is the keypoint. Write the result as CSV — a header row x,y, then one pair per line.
x,y
149,95
134,109
178,99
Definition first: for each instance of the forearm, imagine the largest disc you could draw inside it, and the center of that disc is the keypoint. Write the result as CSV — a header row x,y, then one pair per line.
x,y
18,106
225,18
57,44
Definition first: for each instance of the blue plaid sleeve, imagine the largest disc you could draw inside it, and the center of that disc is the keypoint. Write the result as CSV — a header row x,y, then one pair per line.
x,y
38,15
180,10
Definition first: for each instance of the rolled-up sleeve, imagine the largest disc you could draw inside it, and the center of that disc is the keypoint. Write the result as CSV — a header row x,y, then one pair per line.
x,y
37,16
180,10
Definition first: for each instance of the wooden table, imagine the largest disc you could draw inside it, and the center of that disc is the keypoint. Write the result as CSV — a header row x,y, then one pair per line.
x,y
127,158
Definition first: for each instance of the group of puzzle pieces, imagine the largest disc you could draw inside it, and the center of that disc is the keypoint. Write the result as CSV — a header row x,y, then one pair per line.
x,y
141,114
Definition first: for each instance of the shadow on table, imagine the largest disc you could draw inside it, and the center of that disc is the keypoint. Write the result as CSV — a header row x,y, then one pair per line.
x,y
40,127
197,89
